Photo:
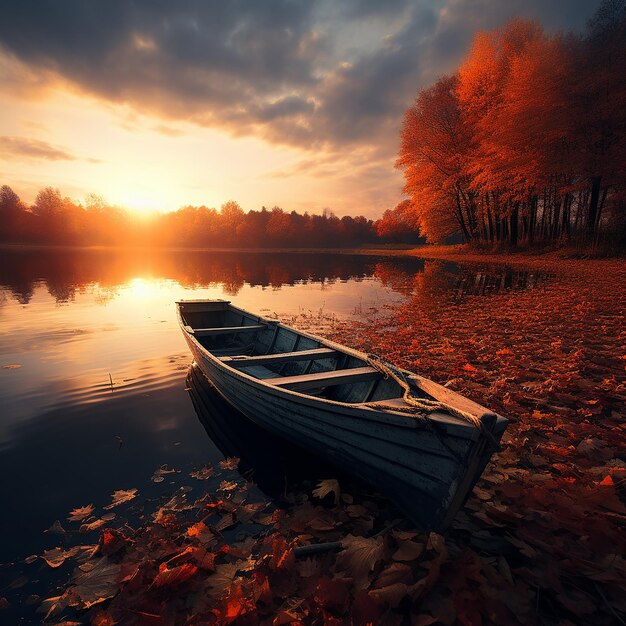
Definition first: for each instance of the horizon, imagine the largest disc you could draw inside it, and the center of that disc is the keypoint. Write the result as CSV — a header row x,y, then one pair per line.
x,y
294,106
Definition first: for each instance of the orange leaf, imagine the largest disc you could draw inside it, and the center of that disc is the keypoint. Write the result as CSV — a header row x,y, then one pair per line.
x,y
175,576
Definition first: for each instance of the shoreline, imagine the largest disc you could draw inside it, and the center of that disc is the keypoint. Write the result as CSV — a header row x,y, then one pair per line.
x,y
560,259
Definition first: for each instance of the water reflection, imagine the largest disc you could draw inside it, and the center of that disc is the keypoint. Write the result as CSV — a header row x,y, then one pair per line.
x,y
90,349
274,464
66,272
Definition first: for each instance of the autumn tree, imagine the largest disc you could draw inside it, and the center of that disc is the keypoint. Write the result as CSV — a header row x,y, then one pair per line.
x,y
526,142
434,154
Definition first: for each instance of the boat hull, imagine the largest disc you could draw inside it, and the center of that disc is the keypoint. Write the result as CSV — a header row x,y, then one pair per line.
x,y
425,470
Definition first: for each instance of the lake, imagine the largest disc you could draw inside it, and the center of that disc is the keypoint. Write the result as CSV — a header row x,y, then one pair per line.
x,y
94,394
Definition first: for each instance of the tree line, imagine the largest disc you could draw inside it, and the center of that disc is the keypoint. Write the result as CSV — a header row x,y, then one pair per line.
x,y
525,143
54,219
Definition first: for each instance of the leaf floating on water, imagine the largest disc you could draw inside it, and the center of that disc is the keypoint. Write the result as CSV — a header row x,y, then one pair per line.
x,y
204,473
82,512
159,474
328,486
57,556
121,496
231,463
227,485
91,526
178,502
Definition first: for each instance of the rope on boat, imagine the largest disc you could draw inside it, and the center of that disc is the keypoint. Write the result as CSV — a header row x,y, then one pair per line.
x,y
424,405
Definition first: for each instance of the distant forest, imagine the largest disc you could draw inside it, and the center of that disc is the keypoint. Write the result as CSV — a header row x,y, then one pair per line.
x,y
526,143
54,219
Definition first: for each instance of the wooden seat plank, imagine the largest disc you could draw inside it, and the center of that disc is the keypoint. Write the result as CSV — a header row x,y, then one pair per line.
x,y
325,379
281,357
226,330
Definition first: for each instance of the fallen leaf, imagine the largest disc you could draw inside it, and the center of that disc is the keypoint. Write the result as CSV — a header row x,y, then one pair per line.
x,y
204,473
391,595
97,583
121,496
394,573
79,514
200,531
57,556
91,526
358,558
325,487
231,463
223,577
175,576
161,472
227,485
408,551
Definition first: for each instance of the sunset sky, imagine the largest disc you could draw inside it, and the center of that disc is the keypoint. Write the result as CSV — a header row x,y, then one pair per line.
x,y
298,104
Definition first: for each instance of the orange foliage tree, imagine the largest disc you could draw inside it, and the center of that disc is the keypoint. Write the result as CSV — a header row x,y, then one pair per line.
x,y
526,141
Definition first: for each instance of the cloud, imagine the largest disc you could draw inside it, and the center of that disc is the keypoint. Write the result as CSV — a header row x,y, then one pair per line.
x,y
23,147
168,131
35,149
276,69
323,76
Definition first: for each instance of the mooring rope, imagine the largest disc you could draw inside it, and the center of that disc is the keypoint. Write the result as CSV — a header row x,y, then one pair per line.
x,y
423,405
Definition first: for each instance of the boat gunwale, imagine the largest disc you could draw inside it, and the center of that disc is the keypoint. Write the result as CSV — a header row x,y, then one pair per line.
x,y
409,422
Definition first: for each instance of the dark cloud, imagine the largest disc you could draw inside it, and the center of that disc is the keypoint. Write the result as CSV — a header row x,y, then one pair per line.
x,y
279,69
23,147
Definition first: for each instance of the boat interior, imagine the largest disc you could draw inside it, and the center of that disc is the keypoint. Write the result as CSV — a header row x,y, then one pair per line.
x,y
285,358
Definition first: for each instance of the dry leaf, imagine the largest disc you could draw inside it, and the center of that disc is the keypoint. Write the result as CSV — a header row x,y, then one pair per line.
x,y
80,513
358,558
328,486
230,463
121,496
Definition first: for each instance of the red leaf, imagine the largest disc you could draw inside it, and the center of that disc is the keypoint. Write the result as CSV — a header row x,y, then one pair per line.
x,y
175,576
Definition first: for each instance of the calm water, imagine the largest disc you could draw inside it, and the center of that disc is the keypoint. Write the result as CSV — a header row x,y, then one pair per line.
x,y
93,367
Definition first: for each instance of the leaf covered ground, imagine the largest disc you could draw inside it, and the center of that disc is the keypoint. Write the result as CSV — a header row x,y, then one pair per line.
x,y
540,541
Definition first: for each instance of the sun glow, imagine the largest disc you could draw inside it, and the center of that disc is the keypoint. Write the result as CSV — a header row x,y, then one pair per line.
x,y
141,288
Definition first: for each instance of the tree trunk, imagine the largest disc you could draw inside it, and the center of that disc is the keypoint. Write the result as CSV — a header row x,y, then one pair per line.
x,y
513,226
592,216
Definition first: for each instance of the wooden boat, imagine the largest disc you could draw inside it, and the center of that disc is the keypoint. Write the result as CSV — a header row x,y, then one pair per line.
x,y
424,449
